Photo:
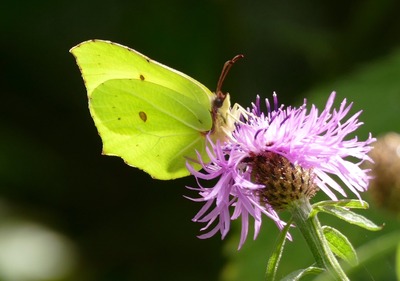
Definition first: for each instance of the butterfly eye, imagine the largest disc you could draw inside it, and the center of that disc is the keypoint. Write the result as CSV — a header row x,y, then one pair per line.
x,y
218,102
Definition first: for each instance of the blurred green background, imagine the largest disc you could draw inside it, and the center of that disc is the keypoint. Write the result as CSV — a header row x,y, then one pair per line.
x,y
68,213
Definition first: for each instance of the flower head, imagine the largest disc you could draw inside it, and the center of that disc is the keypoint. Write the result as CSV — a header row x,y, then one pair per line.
x,y
275,158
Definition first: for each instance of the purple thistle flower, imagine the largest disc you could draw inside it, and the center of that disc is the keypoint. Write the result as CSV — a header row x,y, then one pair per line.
x,y
276,157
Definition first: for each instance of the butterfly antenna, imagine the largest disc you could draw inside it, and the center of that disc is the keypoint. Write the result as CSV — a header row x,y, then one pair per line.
x,y
227,66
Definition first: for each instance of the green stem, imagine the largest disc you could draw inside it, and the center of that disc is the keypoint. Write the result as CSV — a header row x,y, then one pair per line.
x,y
311,229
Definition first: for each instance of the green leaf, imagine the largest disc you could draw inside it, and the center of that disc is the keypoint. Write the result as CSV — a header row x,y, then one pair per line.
x,y
273,262
296,275
340,245
350,217
346,203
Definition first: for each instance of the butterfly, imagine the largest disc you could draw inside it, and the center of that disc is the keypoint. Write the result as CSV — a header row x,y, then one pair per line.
x,y
152,116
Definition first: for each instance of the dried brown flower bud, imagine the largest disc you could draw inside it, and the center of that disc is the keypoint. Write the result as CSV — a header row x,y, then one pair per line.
x,y
385,185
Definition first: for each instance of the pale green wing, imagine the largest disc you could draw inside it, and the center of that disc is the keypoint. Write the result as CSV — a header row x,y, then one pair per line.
x,y
149,126
150,115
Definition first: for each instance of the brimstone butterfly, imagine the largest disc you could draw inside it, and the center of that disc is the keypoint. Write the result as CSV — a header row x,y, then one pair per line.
x,y
150,115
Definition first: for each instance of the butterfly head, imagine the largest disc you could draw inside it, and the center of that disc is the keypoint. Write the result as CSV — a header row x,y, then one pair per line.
x,y
222,119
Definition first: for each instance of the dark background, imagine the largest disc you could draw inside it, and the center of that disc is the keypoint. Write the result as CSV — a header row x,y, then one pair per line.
x,y
117,222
